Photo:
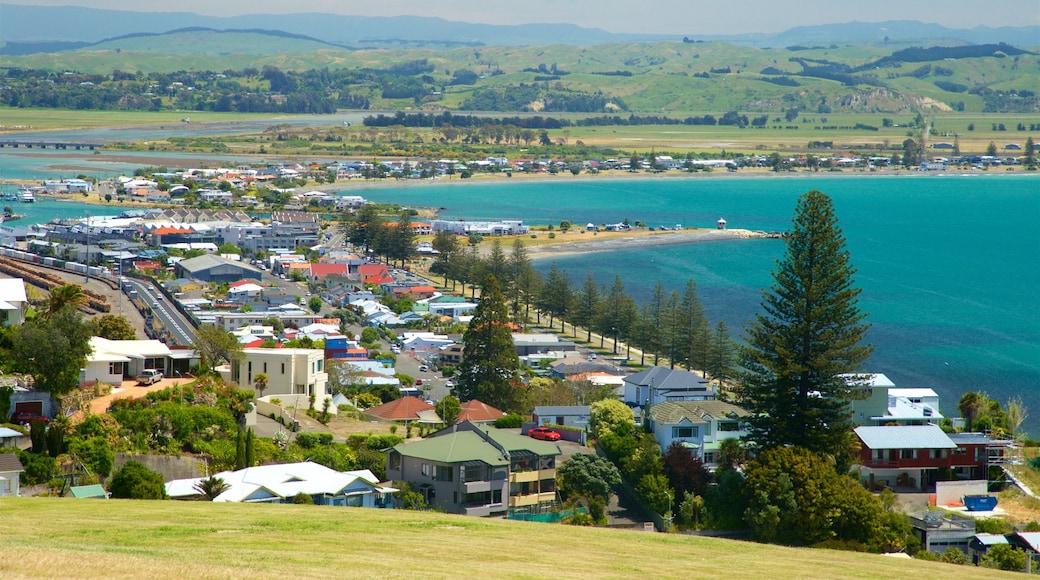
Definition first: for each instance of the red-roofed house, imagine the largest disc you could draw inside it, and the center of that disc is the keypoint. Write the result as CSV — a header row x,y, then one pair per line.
x,y
170,235
321,270
479,412
369,270
148,266
404,409
416,292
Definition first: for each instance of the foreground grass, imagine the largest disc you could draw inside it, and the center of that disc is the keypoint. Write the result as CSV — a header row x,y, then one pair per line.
x,y
54,537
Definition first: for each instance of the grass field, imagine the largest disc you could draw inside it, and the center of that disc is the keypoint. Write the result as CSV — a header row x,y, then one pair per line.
x,y
51,537
17,119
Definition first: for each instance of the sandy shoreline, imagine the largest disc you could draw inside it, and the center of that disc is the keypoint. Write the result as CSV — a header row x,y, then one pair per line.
x,y
571,248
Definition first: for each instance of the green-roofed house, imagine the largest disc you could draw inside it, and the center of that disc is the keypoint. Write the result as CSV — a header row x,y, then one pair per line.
x,y
478,471
94,491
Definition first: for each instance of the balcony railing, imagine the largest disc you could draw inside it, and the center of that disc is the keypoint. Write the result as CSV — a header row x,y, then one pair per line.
x,y
531,499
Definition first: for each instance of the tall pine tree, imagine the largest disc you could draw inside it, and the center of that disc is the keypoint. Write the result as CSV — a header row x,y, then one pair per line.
x,y
489,370
811,332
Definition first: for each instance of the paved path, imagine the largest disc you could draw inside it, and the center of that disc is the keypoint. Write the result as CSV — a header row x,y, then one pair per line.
x,y
130,390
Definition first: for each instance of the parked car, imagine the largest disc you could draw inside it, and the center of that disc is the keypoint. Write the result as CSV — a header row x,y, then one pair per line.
x,y
418,382
423,368
149,377
544,433
26,418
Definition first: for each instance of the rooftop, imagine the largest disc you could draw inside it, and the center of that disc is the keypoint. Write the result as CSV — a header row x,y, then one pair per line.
x,y
905,437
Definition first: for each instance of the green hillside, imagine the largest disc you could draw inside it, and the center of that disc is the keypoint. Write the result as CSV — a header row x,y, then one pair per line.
x,y
664,77
130,539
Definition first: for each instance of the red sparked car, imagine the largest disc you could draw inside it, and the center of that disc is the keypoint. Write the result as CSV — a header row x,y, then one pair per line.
x,y
544,433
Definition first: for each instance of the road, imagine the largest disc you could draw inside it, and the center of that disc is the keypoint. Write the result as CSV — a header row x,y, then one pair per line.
x,y
182,333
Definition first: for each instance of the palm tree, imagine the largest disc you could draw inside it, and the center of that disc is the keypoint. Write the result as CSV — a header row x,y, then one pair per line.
x,y
65,295
211,487
260,383
971,404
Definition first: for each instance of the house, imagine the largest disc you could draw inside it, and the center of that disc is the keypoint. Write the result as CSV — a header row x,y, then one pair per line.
x,y
298,372
478,471
12,301
1026,541
939,530
527,344
423,341
882,403
113,361
9,437
979,545
405,409
10,471
904,455
281,483
657,385
340,347
699,426
573,364
476,411
567,416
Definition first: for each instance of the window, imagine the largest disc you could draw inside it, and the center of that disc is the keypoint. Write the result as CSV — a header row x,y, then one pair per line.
x,y
471,473
938,454
684,432
425,469
445,473
393,459
729,426
907,453
283,368
265,367
878,454
320,364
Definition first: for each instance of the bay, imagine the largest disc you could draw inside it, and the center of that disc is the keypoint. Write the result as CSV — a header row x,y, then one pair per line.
x,y
949,264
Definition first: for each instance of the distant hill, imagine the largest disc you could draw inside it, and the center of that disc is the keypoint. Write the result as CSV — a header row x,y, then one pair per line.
x,y
22,24
197,40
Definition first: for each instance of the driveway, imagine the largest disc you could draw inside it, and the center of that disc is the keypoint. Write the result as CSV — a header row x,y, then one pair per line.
x,y
130,390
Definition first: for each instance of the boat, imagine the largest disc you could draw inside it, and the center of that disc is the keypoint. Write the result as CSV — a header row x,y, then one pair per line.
x,y
26,195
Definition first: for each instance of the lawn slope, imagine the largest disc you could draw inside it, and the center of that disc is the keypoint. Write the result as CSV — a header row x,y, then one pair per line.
x,y
50,537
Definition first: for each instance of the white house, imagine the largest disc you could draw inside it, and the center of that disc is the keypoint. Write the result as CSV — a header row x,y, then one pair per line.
x,y
697,425
423,341
568,416
10,470
111,361
281,483
883,403
290,371
12,301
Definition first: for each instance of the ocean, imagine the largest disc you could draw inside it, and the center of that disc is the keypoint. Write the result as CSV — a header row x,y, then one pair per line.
x,y
949,264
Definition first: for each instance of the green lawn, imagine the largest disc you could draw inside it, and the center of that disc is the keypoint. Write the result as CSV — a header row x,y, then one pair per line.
x,y
51,537
66,119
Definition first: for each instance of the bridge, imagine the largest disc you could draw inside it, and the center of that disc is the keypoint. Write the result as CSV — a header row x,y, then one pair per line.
x,y
49,145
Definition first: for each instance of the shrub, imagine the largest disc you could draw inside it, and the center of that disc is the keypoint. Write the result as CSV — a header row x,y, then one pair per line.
x,y
509,422
303,499
135,481
309,440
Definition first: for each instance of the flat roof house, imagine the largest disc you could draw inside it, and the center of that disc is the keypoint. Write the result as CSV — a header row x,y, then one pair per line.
x,y
479,471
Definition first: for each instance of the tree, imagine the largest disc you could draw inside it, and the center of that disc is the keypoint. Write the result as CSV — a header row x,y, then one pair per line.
x,y
260,383
94,453
1004,557
991,149
719,366
490,366
524,282
52,349
211,487
954,555
314,303
216,346
64,295
685,473
586,305
228,248
606,415
588,476
448,409
970,405
135,481
1030,159
808,337
565,225
112,327
556,297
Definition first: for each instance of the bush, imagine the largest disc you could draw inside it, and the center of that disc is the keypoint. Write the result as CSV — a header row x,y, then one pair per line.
x,y
303,499
509,422
38,467
135,481
309,440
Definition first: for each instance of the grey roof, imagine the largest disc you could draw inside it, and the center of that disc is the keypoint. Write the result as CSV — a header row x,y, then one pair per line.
x,y
203,262
970,438
562,410
673,412
905,437
9,463
667,379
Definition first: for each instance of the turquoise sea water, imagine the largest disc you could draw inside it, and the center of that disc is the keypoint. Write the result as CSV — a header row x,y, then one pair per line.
x,y
949,264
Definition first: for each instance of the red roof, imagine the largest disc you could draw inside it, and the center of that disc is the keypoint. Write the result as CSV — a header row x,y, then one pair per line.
x,y
372,270
421,290
244,282
322,270
147,265
478,412
377,280
403,409
171,230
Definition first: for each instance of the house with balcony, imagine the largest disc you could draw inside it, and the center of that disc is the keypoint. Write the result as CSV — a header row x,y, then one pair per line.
x,y
883,403
657,385
478,471
913,455
699,426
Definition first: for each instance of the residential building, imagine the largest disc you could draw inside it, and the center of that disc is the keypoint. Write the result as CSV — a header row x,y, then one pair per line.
x,y
340,347
476,411
479,471
527,344
657,385
10,471
113,361
12,301
883,403
567,416
699,426
290,371
281,483
939,530
980,544
913,455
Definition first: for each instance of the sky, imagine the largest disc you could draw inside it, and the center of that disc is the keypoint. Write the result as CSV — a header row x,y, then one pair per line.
x,y
658,16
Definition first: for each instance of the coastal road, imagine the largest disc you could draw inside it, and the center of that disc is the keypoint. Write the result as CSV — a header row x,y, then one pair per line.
x,y
182,333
